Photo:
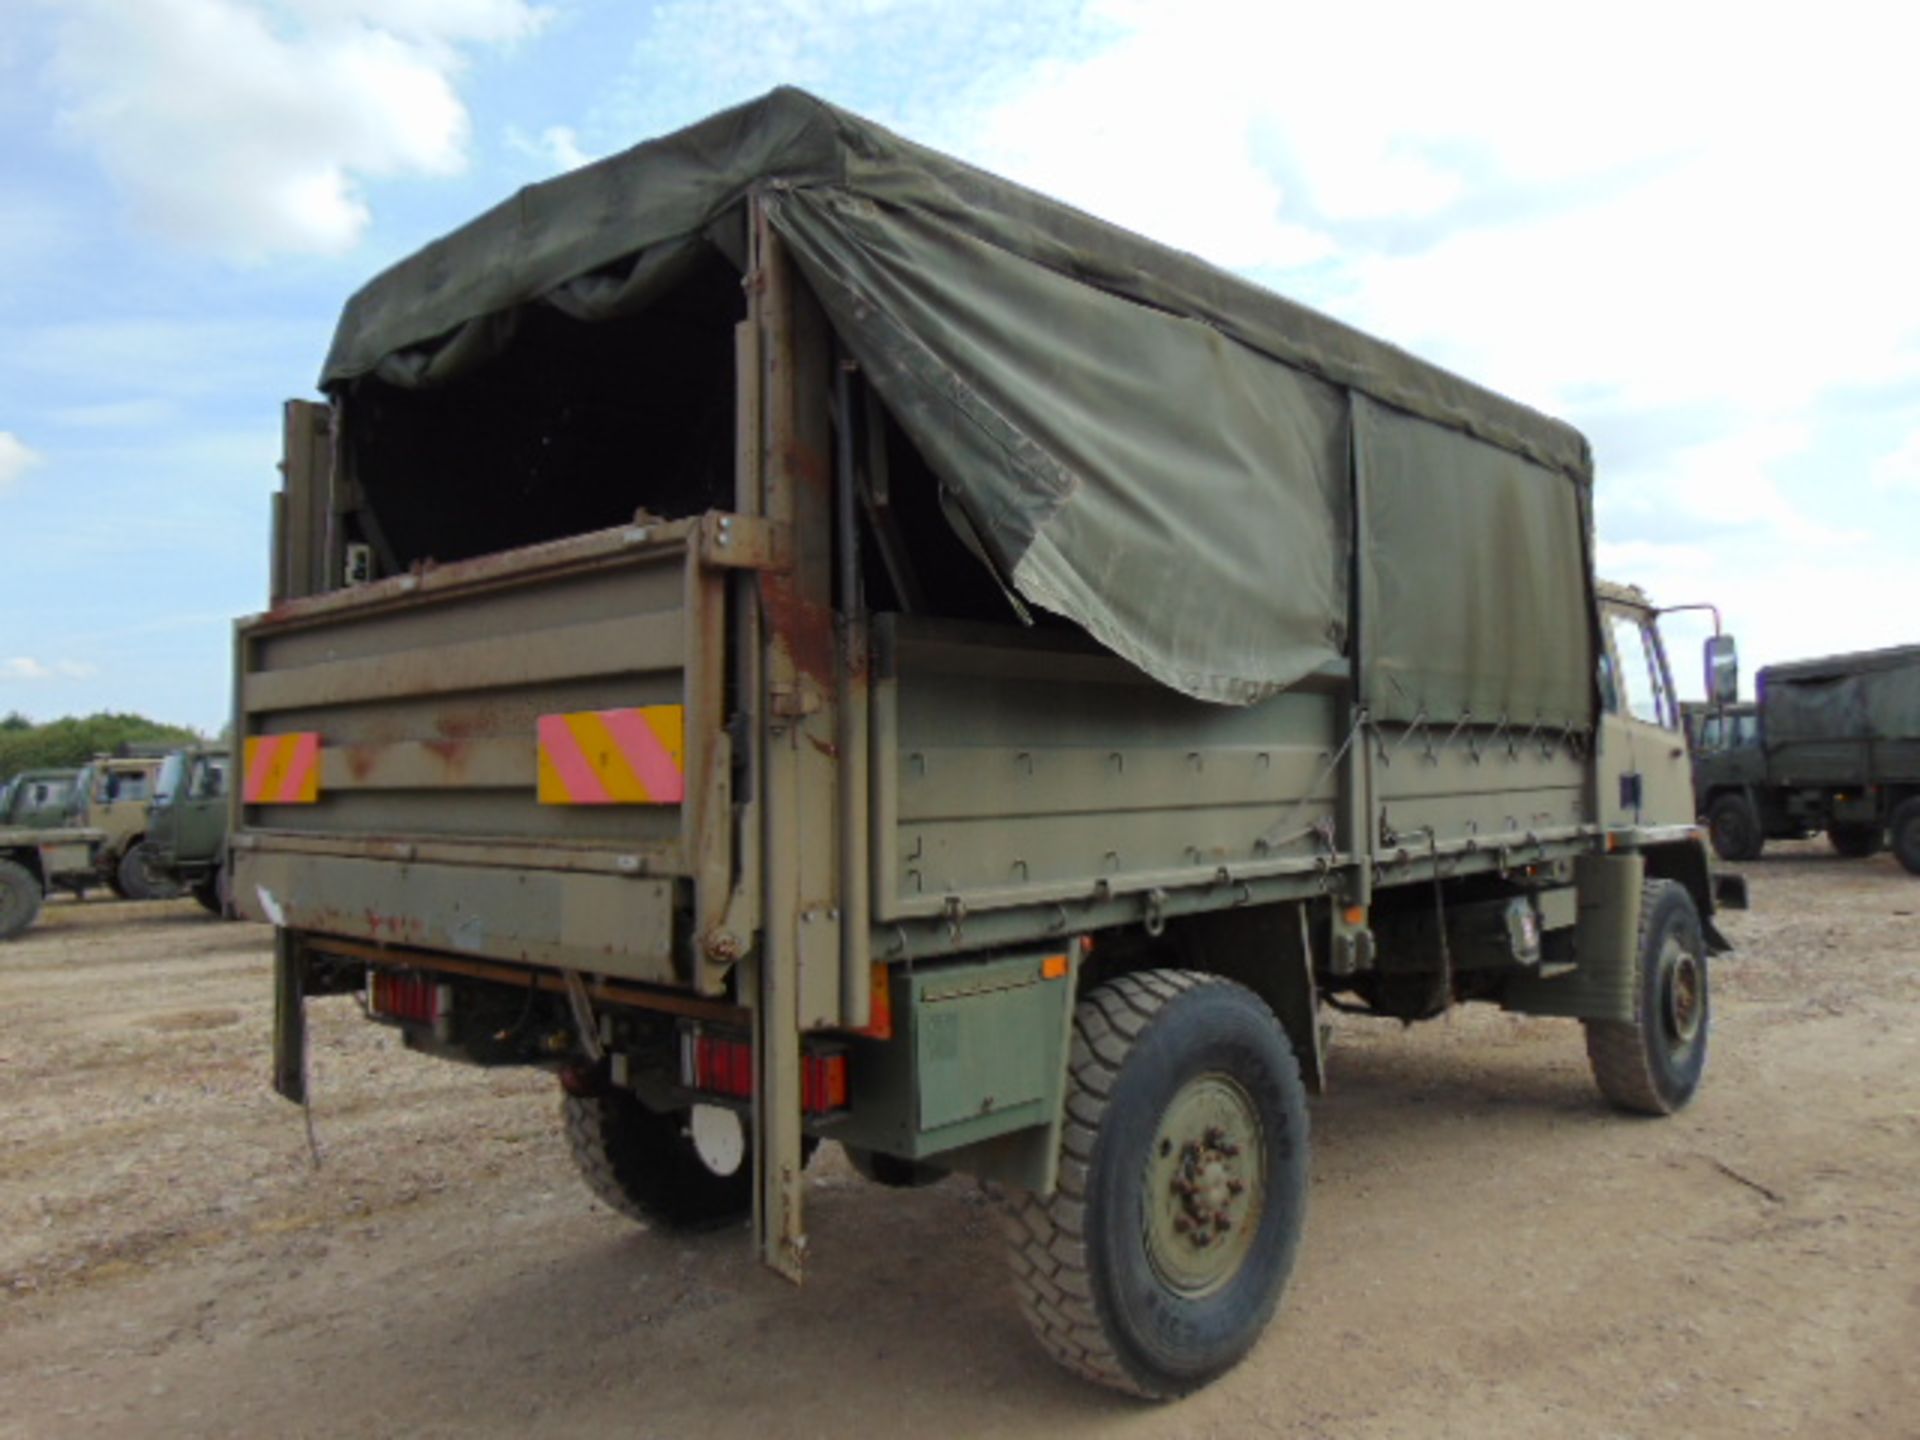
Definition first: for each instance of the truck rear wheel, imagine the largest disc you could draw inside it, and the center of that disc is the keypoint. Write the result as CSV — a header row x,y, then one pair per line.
x,y
646,1164
1652,1063
1160,1257
1904,827
1734,829
1856,842
19,899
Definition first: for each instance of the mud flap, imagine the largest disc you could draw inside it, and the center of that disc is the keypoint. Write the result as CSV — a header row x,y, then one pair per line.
x,y
1606,940
289,1018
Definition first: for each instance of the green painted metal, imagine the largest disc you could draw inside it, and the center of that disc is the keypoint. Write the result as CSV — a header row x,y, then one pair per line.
x,y
1606,937
979,1051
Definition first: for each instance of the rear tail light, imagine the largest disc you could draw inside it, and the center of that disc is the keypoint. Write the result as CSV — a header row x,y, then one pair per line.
x,y
823,1082
717,1063
720,1062
417,999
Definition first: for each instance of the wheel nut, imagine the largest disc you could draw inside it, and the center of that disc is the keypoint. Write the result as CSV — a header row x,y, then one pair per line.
x,y
1234,1187
1181,1224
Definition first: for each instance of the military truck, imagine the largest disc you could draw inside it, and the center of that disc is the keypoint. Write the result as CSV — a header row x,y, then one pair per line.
x,y
807,640
38,799
186,841
39,851
1831,744
114,795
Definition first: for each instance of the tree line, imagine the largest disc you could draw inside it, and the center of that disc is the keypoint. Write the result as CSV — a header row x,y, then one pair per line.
x,y
68,743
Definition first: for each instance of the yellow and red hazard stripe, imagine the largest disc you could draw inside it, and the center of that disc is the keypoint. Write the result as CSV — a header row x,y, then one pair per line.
x,y
282,769
634,756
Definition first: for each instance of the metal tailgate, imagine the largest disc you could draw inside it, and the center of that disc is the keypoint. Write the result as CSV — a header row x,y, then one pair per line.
x,y
521,757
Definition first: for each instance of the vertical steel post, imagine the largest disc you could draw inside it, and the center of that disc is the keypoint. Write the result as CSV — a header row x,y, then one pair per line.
x,y
797,966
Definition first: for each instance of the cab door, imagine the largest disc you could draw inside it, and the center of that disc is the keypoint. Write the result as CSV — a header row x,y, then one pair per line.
x,y
202,807
1653,784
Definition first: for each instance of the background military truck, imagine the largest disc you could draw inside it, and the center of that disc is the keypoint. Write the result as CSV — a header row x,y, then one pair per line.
x,y
808,640
186,841
114,795
38,849
38,799
1830,744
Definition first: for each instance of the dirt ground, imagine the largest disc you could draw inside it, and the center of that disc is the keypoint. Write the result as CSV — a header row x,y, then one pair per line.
x,y
1489,1251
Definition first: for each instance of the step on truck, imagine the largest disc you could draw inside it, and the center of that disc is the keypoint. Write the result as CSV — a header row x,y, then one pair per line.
x,y
1828,745
809,641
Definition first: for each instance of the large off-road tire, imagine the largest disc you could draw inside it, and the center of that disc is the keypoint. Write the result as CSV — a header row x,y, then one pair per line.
x,y
139,880
1735,829
1652,1063
644,1164
20,898
1904,828
215,894
207,893
1856,842
1159,1258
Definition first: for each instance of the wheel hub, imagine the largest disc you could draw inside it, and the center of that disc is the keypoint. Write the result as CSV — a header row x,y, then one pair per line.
x,y
1203,1196
1683,990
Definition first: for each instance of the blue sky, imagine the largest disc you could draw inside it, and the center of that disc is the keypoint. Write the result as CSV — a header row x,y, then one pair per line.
x,y
1690,230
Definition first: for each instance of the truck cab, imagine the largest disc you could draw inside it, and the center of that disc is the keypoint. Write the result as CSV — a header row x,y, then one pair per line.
x,y
114,795
40,850
186,840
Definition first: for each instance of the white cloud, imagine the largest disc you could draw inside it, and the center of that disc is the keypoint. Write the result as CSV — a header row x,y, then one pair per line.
x,y
557,146
1899,469
15,460
245,128
25,667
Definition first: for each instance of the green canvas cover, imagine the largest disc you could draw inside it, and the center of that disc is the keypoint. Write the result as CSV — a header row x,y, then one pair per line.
x,y
1872,695
1156,449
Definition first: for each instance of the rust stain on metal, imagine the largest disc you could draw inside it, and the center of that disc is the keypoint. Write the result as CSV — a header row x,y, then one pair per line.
x,y
452,753
361,760
806,464
825,747
804,624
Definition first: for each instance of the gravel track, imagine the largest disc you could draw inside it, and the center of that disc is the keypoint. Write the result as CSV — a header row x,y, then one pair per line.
x,y
1489,1249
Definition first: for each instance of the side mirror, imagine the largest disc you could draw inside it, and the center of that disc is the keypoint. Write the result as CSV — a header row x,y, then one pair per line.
x,y
1723,670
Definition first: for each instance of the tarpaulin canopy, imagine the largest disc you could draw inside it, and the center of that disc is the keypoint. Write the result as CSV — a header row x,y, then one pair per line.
x,y
1873,695
1162,452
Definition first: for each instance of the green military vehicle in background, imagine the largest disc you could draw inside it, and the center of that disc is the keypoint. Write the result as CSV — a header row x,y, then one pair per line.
x,y
186,840
1830,744
114,795
38,799
39,850
807,640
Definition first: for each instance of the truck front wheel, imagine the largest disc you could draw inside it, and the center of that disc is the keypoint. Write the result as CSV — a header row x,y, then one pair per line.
x,y
1856,842
19,899
212,891
1904,827
647,1164
138,880
1652,1063
1734,829
1159,1258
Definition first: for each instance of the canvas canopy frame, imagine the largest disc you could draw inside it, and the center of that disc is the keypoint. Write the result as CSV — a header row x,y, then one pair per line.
x,y
1226,488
